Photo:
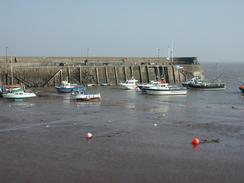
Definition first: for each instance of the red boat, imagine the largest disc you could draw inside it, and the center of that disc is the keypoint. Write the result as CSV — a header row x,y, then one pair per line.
x,y
242,88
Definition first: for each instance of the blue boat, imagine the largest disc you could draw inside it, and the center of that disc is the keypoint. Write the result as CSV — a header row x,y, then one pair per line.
x,y
66,87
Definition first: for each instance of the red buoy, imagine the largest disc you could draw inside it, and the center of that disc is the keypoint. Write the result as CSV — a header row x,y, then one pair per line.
x,y
195,141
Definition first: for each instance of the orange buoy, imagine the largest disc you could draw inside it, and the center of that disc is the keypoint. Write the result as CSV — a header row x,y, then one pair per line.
x,y
195,141
89,135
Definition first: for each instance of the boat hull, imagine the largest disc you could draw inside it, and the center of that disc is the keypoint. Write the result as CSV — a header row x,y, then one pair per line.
x,y
64,90
18,96
165,92
207,86
66,87
128,87
69,89
87,97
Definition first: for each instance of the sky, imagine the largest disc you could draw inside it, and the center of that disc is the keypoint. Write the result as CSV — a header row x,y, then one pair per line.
x,y
212,30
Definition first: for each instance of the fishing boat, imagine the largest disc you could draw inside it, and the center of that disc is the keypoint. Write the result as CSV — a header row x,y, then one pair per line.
x,y
129,84
146,85
191,81
83,95
18,93
165,89
196,83
66,87
207,86
242,88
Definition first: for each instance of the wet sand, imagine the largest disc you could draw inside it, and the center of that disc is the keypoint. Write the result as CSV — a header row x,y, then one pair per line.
x,y
136,138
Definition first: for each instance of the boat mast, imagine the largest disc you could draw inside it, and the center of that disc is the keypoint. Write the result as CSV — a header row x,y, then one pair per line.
x,y
172,52
11,71
172,60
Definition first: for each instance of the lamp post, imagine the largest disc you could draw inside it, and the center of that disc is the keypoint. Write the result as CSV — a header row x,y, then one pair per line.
x,y
158,53
172,52
87,52
6,52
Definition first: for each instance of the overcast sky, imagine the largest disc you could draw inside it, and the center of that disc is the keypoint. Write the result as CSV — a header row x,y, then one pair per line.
x,y
212,30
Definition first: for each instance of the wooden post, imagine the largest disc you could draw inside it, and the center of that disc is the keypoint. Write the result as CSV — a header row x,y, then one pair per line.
x,y
97,76
106,74
158,73
61,76
162,73
68,72
116,75
131,71
125,74
80,75
6,78
54,81
166,74
179,76
140,74
173,71
147,73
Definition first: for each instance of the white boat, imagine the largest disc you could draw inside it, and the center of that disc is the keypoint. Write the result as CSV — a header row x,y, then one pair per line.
x,y
193,80
129,84
165,89
83,95
18,94
146,85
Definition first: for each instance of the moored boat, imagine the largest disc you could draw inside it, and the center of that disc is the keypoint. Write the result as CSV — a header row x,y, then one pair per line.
x,y
66,87
207,86
196,83
8,88
83,95
18,94
165,89
129,84
146,85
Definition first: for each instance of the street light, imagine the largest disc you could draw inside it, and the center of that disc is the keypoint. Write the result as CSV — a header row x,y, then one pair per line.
x,y
6,50
158,53
87,52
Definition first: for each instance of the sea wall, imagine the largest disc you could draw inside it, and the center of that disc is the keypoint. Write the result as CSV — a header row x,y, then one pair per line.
x,y
50,71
